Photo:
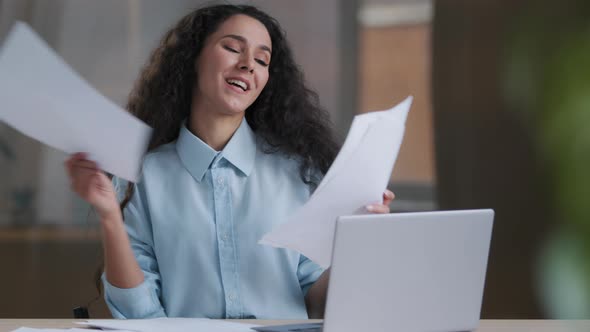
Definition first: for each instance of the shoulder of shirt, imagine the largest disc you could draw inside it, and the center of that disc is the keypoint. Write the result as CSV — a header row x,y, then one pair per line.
x,y
268,154
279,163
162,156
156,158
285,163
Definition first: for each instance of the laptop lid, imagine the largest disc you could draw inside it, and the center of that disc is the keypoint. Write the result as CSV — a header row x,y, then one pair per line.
x,y
408,271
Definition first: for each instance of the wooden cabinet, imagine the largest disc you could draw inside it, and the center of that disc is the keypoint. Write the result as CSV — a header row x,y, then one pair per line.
x,y
48,271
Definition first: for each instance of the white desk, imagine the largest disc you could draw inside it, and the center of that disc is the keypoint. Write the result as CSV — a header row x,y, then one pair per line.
x,y
486,325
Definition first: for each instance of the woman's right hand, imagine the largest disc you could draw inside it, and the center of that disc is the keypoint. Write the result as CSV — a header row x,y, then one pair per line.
x,y
92,185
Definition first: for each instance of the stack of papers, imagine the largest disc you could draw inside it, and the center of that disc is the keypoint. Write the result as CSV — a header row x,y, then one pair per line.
x,y
154,325
169,325
358,177
44,98
30,329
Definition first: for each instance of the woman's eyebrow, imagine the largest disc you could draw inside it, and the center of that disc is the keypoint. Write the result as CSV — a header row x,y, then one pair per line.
x,y
244,40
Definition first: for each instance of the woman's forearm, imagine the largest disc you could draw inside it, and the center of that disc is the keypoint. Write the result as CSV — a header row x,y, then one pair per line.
x,y
120,265
315,300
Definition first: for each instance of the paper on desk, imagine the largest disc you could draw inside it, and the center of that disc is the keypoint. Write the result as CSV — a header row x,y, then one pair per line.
x,y
29,329
358,177
42,97
169,325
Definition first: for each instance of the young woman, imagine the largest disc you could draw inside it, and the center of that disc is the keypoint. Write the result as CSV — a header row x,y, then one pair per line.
x,y
239,143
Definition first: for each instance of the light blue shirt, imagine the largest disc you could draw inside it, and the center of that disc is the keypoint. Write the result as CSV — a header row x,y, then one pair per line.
x,y
194,222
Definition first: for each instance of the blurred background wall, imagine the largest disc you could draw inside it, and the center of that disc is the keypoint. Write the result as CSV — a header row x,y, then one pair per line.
x,y
498,121
511,106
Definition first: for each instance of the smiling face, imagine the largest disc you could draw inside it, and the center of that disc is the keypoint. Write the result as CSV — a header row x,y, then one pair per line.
x,y
232,68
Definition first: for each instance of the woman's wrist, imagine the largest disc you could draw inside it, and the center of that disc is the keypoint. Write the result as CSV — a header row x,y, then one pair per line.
x,y
110,218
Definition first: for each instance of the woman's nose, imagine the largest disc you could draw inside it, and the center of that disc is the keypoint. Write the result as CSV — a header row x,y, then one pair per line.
x,y
246,63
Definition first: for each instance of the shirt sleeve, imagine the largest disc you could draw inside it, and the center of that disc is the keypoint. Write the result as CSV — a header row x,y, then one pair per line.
x,y
142,301
308,273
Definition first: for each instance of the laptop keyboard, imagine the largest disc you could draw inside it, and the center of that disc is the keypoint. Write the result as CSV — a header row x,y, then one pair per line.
x,y
312,327
308,327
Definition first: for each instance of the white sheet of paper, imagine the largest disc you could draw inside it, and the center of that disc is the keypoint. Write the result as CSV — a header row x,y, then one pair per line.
x,y
169,325
357,130
42,97
29,329
359,175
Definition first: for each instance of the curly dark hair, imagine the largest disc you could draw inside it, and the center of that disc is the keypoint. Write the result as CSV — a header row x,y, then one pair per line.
x,y
286,115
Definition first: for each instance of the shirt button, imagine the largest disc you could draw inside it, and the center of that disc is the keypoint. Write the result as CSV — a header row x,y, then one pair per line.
x,y
220,181
224,237
232,297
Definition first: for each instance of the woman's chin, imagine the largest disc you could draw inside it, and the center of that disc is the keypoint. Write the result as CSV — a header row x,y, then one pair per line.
x,y
235,109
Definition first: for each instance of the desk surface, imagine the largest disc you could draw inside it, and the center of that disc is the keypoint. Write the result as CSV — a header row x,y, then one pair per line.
x,y
7,325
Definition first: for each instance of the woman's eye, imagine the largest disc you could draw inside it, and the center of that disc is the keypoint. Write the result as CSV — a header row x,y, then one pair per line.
x,y
233,50
262,63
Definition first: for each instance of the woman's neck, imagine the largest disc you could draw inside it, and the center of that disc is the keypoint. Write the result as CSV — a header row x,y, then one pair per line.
x,y
215,129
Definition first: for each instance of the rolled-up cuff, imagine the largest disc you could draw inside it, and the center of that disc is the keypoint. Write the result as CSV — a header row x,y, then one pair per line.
x,y
137,302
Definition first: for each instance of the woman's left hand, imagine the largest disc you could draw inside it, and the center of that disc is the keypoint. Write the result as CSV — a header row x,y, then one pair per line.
x,y
388,197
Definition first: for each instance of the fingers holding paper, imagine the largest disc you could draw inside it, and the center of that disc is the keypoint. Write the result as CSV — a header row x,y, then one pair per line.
x,y
388,197
91,184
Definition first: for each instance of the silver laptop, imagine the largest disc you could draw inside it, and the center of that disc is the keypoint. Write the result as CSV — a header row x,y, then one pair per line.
x,y
420,272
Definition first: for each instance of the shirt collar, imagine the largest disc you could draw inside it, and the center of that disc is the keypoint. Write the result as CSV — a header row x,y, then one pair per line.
x,y
197,156
240,151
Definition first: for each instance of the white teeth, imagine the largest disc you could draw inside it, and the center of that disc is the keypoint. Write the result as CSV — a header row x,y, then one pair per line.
x,y
241,84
